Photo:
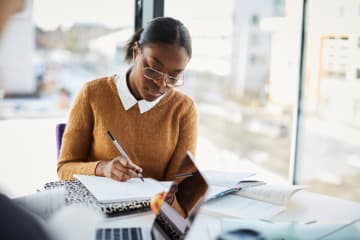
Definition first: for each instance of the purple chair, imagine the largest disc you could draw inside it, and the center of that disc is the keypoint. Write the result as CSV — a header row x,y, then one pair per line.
x,y
60,127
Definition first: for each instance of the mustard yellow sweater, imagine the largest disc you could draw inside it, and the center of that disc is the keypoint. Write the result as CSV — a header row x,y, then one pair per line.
x,y
156,140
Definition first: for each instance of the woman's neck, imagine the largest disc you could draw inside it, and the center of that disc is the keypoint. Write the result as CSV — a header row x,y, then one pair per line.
x,y
131,83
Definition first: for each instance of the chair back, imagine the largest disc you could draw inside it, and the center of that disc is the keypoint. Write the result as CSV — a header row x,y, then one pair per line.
x,y
60,127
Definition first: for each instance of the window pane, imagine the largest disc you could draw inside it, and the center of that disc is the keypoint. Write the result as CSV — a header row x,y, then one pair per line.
x,y
243,76
64,43
329,138
80,43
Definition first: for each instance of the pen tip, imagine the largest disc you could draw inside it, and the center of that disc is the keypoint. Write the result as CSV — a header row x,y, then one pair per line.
x,y
110,134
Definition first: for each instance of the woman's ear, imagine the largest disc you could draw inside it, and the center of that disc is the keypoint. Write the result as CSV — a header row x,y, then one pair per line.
x,y
135,50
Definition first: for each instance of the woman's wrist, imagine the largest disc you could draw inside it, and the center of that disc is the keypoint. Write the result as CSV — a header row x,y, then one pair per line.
x,y
99,170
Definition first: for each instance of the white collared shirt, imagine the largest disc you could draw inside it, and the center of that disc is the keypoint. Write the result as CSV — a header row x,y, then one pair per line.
x,y
128,100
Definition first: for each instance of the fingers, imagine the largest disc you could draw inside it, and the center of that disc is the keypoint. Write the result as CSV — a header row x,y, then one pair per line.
x,y
118,165
119,175
122,169
129,164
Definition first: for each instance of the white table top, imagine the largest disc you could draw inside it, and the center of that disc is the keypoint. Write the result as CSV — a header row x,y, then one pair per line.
x,y
303,207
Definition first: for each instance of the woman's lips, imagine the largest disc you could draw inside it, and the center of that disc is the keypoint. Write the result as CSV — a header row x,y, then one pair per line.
x,y
154,93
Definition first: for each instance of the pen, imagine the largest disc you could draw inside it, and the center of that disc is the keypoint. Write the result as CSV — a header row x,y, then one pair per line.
x,y
117,145
221,194
240,185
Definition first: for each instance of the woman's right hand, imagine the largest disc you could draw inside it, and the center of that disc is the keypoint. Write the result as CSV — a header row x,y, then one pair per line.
x,y
119,169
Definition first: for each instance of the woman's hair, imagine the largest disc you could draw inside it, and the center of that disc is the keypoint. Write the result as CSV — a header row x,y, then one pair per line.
x,y
161,30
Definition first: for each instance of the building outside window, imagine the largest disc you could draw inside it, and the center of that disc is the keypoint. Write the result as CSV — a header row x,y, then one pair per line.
x,y
52,49
329,146
243,75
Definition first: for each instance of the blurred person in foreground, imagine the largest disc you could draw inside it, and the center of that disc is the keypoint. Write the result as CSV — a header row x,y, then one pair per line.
x,y
16,222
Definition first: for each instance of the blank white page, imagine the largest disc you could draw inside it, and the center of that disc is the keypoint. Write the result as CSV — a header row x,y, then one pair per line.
x,y
107,190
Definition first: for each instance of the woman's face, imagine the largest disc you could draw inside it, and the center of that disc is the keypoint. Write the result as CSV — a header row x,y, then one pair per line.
x,y
164,58
8,8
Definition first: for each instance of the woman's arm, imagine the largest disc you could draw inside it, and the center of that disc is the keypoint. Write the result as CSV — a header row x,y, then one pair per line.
x,y
186,142
77,139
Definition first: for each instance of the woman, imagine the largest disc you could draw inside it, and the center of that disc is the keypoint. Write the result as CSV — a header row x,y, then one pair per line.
x,y
153,122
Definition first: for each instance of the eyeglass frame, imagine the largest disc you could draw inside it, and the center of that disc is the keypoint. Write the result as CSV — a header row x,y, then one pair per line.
x,y
177,81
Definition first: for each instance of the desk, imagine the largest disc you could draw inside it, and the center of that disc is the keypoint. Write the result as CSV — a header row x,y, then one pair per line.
x,y
303,206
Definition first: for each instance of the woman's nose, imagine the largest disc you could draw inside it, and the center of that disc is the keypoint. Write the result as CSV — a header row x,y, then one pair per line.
x,y
161,82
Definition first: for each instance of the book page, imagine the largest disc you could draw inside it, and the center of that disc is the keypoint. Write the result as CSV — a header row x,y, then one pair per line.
x,y
225,179
240,207
107,190
276,194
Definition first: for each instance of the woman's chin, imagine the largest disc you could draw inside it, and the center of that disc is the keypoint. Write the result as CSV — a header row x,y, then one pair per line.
x,y
150,96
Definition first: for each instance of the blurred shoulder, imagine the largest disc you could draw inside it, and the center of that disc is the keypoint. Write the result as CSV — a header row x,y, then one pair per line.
x,y
184,102
100,83
183,99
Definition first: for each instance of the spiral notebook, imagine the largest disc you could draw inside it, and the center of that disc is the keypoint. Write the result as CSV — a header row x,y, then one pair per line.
x,y
77,193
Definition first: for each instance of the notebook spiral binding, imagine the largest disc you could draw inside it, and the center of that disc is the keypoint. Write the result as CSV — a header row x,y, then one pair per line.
x,y
76,193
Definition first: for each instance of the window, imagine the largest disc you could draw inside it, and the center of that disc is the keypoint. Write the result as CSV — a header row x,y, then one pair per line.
x,y
255,20
340,11
334,56
70,42
83,46
328,152
243,76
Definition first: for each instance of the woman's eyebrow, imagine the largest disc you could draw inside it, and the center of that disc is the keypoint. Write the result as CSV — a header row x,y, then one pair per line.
x,y
161,64
157,60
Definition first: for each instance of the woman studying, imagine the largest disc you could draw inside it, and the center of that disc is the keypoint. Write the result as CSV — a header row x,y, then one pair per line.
x,y
154,123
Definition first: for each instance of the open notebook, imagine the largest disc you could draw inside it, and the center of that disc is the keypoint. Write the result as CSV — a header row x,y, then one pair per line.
x,y
106,190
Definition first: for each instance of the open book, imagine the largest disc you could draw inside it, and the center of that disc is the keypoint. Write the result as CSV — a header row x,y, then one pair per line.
x,y
106,190
254,202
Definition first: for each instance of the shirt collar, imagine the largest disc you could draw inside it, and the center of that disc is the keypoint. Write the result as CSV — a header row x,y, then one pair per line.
x,y
128,100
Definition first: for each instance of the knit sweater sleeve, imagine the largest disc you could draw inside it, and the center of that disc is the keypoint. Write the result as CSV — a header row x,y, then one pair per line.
x,y
186,142
77,139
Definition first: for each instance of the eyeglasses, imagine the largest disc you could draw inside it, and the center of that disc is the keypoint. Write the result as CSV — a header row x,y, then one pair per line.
x,y
155,75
